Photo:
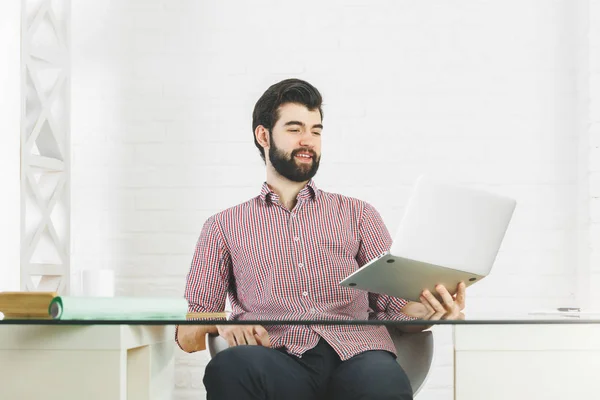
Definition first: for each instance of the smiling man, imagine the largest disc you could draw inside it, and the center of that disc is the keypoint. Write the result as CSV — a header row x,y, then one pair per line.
x,y
284,252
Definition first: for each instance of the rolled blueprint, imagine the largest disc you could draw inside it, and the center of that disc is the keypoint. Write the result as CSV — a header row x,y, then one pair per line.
x,y
119,308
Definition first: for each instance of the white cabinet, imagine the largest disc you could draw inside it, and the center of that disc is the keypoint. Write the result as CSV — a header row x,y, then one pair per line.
x,y
551,361
96,362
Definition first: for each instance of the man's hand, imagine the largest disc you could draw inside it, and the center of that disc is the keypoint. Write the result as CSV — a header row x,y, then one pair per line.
x,y
451,307
244,334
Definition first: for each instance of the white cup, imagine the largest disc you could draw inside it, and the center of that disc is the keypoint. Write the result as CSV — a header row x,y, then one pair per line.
x,y
97,282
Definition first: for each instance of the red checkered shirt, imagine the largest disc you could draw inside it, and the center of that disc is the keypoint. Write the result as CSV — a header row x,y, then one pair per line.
x,y
274,261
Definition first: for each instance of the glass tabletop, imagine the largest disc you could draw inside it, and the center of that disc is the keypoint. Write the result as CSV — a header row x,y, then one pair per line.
x,y
312,318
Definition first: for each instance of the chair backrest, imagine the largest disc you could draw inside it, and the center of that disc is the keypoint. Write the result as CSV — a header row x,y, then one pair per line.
x,y
415,353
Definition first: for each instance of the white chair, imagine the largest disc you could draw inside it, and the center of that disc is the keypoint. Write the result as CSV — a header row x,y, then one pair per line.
x,y
415,354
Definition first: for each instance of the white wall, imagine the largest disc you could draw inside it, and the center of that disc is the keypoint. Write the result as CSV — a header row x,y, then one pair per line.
x,y
162,98
10,136
594,156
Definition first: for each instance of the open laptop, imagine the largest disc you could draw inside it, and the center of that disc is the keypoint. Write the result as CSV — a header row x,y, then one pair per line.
x,y
448,234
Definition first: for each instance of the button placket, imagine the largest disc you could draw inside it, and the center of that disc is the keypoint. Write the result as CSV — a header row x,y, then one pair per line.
x,y
296,236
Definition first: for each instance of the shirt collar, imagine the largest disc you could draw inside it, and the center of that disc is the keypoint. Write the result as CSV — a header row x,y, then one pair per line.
x,y
310,191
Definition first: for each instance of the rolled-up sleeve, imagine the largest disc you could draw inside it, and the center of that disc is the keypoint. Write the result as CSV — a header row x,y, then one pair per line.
x,y
375,239
208,278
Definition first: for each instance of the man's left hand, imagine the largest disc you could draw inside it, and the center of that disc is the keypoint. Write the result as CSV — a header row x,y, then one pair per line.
x,y
451,307
430,308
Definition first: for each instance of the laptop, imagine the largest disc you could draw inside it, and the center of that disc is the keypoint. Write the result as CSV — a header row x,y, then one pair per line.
x,y
449,233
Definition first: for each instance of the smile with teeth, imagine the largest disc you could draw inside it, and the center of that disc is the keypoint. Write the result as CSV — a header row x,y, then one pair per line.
x,y
304,157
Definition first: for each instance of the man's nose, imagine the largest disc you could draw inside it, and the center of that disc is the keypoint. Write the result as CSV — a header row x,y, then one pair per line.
x,y
307,140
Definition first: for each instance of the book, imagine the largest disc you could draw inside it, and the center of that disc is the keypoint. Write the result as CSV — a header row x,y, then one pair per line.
x,y
26,305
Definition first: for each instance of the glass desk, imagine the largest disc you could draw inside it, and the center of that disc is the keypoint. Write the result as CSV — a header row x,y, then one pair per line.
x,y
518,356
229,318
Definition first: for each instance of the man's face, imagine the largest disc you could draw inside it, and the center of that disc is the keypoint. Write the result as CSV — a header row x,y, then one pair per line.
x,y
295,149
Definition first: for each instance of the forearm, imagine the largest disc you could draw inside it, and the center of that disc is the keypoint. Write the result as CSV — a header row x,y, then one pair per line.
x,y
192,338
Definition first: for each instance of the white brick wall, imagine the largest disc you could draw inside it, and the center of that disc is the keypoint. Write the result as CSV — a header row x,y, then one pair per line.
x,y
594,156
163,92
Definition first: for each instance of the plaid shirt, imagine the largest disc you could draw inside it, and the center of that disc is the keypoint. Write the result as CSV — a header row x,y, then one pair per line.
x,y
271,260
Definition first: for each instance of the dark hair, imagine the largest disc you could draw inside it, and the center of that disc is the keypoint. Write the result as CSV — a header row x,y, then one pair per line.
x,y
287,91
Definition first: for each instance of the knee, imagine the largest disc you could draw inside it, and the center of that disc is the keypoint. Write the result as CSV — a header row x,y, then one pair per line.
x,y
397,386
235,362
381,378
393,384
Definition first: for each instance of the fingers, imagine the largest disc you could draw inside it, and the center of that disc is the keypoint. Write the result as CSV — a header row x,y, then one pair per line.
x,y
446,296
437,316
262,335
238,335
435,304
428,306
454,315
452,305
226,333
249,337
244,335
461,295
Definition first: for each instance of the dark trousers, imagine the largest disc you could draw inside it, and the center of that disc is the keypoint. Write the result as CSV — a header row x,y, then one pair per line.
x,y
256,372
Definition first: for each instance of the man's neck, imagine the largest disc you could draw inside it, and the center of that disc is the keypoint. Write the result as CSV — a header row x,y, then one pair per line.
x,y
286,190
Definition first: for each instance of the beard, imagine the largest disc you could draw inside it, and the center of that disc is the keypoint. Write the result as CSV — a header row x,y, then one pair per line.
x,y
287,166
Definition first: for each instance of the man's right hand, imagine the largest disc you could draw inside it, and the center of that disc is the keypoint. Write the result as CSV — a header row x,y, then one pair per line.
x,y
244,334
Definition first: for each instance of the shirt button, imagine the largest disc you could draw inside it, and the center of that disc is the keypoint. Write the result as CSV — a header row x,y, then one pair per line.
x,y
301,265
296,238
312,310
305,294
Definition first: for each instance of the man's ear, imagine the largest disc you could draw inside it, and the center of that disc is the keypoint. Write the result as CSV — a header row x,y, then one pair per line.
x,y
262,136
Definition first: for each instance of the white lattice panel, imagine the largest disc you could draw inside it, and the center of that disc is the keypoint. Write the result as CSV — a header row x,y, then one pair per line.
x,y
45,146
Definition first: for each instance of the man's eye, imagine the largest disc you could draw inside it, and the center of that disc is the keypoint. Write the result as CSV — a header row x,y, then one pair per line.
x,y
294,130
317,133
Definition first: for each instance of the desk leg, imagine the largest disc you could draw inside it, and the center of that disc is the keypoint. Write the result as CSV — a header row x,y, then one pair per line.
x,y
162,370
138,373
